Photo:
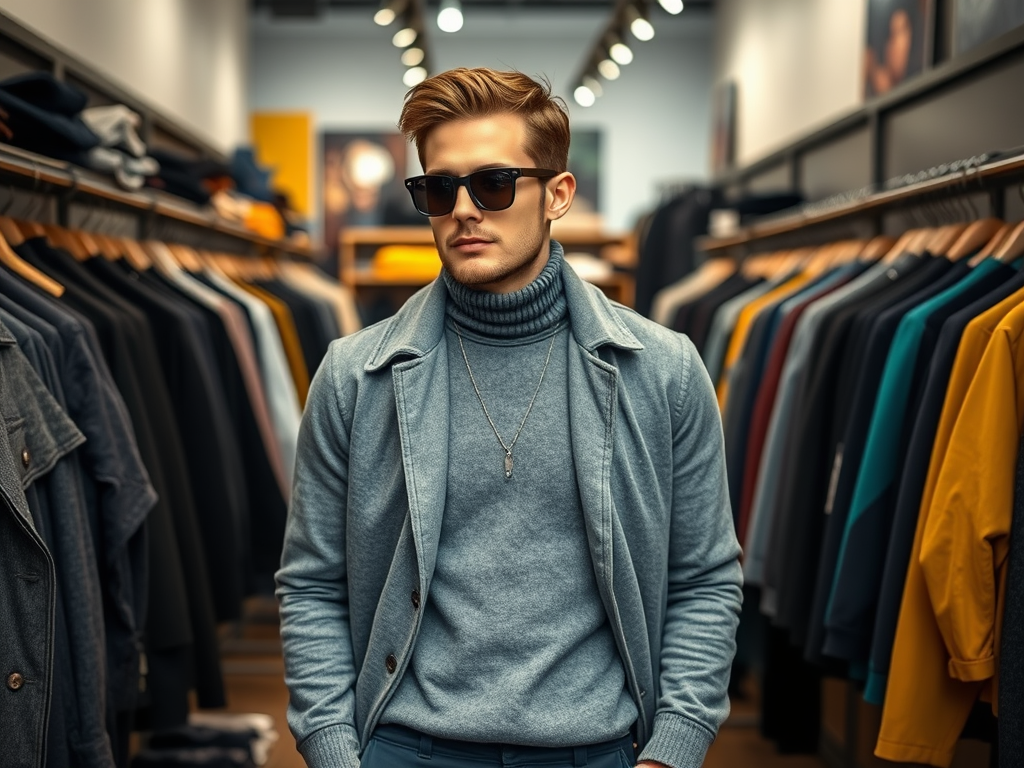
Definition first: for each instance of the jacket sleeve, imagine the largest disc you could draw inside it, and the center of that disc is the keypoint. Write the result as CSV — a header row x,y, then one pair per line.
x,y
966,537
704,581
320,668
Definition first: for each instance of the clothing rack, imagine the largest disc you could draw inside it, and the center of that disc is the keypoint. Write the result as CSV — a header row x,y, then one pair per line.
x,y
986,175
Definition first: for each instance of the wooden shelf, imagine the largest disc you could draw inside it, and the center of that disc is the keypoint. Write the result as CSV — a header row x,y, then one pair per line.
x,y
35,171
357,245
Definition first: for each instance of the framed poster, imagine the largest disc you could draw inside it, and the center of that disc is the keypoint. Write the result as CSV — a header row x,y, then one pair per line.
x,y
978,21
362,182
899,43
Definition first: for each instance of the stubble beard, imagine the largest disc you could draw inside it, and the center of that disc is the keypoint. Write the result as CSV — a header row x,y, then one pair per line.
x,y
518,257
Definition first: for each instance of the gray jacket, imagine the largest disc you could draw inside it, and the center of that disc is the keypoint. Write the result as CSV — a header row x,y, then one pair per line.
x,y
369,494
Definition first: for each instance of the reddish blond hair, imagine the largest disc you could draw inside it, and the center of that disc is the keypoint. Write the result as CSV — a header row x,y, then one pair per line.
x,y
464,93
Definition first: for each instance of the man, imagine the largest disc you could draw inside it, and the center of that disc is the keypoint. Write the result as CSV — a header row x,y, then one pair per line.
x,y
510,540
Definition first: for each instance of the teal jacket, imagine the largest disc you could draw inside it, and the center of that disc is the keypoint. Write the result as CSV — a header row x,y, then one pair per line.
x,y
369,494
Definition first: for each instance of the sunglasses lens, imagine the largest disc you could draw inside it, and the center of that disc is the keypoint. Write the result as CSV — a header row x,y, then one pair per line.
x,y
494,190
433,195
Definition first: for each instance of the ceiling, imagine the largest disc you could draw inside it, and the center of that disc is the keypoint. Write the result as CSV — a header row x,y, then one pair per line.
x,y
312,8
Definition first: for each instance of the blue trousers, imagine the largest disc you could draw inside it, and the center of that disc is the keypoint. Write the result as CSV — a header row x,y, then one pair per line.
x,y
394,746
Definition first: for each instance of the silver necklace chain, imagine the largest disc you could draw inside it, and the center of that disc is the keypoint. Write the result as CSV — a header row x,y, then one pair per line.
x,y
508,448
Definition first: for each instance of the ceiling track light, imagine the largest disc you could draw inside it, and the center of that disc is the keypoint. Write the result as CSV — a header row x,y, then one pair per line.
x,y
449,16
672,6
389,11
621,53
639,22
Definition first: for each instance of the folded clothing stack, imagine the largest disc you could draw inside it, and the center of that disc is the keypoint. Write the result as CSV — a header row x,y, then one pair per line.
x,y
121,152
47,116
214,740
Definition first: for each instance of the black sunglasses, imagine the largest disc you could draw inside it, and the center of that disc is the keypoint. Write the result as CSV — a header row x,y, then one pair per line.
x,y
492,189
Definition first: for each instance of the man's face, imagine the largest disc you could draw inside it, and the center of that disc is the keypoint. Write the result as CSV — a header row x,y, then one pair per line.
x,y
496,251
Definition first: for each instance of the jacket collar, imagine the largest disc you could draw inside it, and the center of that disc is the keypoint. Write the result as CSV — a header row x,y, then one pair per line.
x,y
419,325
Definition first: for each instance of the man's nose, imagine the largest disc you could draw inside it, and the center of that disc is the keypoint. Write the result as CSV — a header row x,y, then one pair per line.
x,y
465,208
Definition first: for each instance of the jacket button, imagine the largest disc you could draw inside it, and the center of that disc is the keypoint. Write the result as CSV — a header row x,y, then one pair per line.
x,y
15,681
26,457
415,599
391,663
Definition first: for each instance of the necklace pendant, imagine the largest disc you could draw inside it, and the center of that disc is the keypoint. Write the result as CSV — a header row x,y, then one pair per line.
x,y
508,464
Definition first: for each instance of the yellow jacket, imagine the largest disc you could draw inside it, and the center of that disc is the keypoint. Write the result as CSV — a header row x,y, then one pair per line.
x,y
943,638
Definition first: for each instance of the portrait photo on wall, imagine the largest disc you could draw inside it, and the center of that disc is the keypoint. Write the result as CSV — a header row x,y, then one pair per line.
x,y
362,182
899,43
978,21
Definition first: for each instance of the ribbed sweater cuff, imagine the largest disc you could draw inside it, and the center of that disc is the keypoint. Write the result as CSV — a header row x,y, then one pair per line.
x,y
333,747
677,742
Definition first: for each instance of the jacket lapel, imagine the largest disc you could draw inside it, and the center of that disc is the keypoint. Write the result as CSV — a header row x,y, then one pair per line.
x,y
421,387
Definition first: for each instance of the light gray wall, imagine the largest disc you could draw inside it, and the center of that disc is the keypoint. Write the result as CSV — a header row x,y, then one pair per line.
x,y
187,58
797,65
655,118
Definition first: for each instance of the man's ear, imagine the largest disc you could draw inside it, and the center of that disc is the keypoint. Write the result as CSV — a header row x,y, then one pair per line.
x,y
560,191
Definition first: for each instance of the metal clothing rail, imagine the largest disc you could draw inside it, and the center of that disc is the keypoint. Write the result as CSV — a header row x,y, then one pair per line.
x,y
71,183
983,177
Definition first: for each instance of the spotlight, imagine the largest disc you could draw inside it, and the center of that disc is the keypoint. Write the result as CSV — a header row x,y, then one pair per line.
x,y
389,10
593,85
609,69
621,53
411,57
584,96
672,6
449,17
641,29
404,37
414,76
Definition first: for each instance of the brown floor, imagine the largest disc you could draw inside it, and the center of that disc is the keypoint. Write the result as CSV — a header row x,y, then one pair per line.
x,y
254,676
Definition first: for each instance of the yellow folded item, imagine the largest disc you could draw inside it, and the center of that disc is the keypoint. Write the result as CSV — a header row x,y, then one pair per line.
x,y
264,219
406,262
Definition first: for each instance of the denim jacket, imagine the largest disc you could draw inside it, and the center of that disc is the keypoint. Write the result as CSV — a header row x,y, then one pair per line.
x,y
37,435
369,494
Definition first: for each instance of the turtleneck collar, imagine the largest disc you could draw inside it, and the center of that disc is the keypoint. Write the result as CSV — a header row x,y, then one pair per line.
x,y
530,310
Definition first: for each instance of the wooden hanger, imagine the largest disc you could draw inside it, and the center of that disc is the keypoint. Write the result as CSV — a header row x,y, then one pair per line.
x,y
902,245
945,238
974,236
876,248
30,229
186,257
135,254
18,265
1012,248
108,248
994,242
68,240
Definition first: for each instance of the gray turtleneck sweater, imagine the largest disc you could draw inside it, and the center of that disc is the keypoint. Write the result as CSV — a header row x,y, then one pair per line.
x,y
513,617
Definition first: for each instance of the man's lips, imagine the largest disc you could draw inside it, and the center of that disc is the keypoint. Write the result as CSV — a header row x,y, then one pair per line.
x,y
470,244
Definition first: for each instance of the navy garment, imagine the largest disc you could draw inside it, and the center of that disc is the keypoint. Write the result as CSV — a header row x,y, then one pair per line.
x,y
860,587
394,746
796,532
914,475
